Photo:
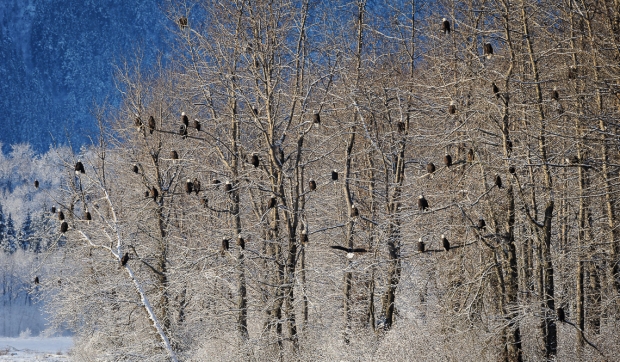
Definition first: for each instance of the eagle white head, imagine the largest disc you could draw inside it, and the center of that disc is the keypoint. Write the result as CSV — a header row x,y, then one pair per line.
x,y
444,19
421,197
443,236
182,113
350,255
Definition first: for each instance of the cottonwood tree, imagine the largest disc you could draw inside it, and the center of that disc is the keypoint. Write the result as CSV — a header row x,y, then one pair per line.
x,y
228,242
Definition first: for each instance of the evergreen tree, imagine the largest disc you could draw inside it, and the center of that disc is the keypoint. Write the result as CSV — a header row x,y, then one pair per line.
x,y
25,234
3,244
42,231
10,235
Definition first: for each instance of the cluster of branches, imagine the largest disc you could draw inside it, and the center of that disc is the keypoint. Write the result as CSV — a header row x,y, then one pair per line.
x,y
282,128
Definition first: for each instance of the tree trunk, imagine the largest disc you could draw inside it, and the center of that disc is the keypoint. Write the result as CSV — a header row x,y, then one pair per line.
x,y
550,331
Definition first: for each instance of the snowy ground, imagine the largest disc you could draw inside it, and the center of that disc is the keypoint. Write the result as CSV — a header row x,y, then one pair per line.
x,y
53,349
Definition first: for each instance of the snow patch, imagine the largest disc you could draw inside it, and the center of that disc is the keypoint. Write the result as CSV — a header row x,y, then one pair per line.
x,y
51,349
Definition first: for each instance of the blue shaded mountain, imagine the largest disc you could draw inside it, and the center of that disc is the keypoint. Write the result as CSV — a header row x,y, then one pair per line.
x,y
57,59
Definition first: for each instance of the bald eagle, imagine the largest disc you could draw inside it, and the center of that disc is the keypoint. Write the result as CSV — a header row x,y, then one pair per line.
x,y
154,192
271,203
183,131
125,259
138,123
241,242
560,314
316,120
498,181
36,280
182,22
79,168
64,227
254,160
184,119
452,108
481,224
151,124
495,90
36,184
511,169
447,160
445,242
135,169
61,215
354,211
488,50
87,216
188,186
422,203
53,209
445,26
430,167
334,175
197,125
350,251
555,95
401,126
174,155
228,186
420,246
225,246
303,238
312,185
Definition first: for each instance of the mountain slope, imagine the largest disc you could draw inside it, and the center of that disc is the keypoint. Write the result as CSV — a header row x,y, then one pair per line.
x,y
57,60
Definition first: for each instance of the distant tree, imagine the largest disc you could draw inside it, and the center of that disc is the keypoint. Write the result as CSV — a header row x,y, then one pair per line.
x,y
3,242
10,236
25,234
43,230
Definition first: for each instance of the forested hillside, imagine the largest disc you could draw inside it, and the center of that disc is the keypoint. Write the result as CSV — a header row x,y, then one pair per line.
x,y
57,61
326,181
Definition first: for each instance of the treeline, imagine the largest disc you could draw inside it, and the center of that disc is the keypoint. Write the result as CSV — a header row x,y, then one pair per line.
x,y
28,235
26,215
35,233
467,177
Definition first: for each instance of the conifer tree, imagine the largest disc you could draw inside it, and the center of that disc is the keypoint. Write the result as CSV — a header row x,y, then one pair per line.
x,y
3,244
10,236
25,234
